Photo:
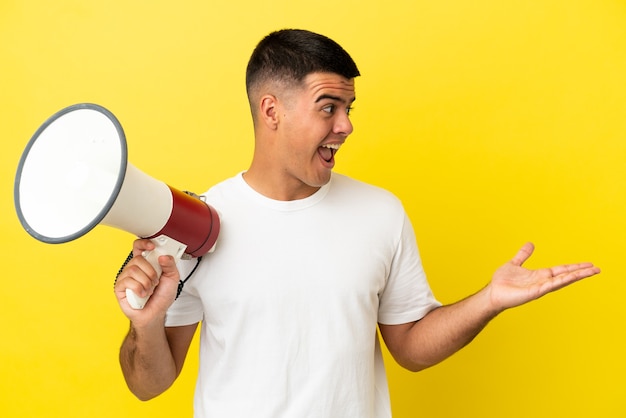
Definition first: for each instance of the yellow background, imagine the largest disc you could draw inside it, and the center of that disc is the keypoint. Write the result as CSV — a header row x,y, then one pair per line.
x,y
496,122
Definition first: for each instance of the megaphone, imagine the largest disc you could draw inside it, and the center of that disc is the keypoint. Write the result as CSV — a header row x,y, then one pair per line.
x,y
74,174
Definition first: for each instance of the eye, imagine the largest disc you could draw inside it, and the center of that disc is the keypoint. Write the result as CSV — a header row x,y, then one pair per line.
x,y
329,108
349,109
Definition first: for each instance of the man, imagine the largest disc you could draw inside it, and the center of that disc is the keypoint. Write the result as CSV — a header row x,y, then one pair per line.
x,y
308,266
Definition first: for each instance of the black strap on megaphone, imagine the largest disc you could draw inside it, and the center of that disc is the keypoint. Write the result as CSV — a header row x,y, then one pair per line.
x,y
181,283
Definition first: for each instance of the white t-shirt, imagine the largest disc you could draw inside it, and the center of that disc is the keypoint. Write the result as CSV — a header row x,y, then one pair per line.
x,y
291,297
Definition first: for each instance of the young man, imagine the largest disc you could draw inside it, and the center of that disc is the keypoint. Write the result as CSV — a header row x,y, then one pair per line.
x,y
308,266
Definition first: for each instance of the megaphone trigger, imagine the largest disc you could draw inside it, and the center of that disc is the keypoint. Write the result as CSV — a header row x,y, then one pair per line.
x,y
164,245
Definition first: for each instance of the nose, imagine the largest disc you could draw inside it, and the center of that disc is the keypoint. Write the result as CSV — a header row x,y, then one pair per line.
x,y
343,125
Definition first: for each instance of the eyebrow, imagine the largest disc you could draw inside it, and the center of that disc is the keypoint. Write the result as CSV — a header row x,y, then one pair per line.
x,y
331,97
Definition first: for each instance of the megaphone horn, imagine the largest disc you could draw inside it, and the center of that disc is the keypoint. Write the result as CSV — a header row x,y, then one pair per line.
x,y
74,174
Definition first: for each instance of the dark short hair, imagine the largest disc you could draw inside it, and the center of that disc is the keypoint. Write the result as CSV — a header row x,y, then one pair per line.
x,y
289,55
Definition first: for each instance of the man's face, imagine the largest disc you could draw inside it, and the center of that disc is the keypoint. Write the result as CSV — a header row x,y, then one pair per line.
x,y
313,123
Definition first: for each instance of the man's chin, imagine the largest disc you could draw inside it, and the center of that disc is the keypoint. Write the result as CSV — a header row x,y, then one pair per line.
x,y
322,179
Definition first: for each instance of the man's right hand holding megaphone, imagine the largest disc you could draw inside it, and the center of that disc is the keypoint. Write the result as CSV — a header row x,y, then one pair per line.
x,y
144,281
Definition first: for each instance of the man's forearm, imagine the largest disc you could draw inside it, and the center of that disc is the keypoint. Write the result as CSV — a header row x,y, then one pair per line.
x,y
441,333
147,361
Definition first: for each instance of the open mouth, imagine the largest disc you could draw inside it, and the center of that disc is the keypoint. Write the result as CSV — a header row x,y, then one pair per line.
x,y
328,151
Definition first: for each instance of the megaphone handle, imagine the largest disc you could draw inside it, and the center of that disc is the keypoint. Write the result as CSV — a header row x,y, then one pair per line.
x,y
164,245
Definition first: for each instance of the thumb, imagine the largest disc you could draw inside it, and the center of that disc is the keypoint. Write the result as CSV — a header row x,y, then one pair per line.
x,y
167,284
168,267
523,254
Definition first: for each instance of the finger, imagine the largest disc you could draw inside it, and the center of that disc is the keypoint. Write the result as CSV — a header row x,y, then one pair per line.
x,y
581,273
141,245
570,277
131,284
567,268
523,254
137,288
139,276
147,268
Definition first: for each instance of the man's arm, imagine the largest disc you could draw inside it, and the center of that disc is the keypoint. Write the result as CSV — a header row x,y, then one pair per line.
x,y
151,355
445,330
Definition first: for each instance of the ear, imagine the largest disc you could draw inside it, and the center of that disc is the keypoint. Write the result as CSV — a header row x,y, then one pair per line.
x,y
268,112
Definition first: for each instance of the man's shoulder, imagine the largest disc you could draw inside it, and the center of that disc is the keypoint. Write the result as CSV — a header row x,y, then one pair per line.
x,y
344,182
225,184
362,192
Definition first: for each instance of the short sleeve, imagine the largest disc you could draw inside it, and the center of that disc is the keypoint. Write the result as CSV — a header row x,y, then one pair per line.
x,y
187,309
407,296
